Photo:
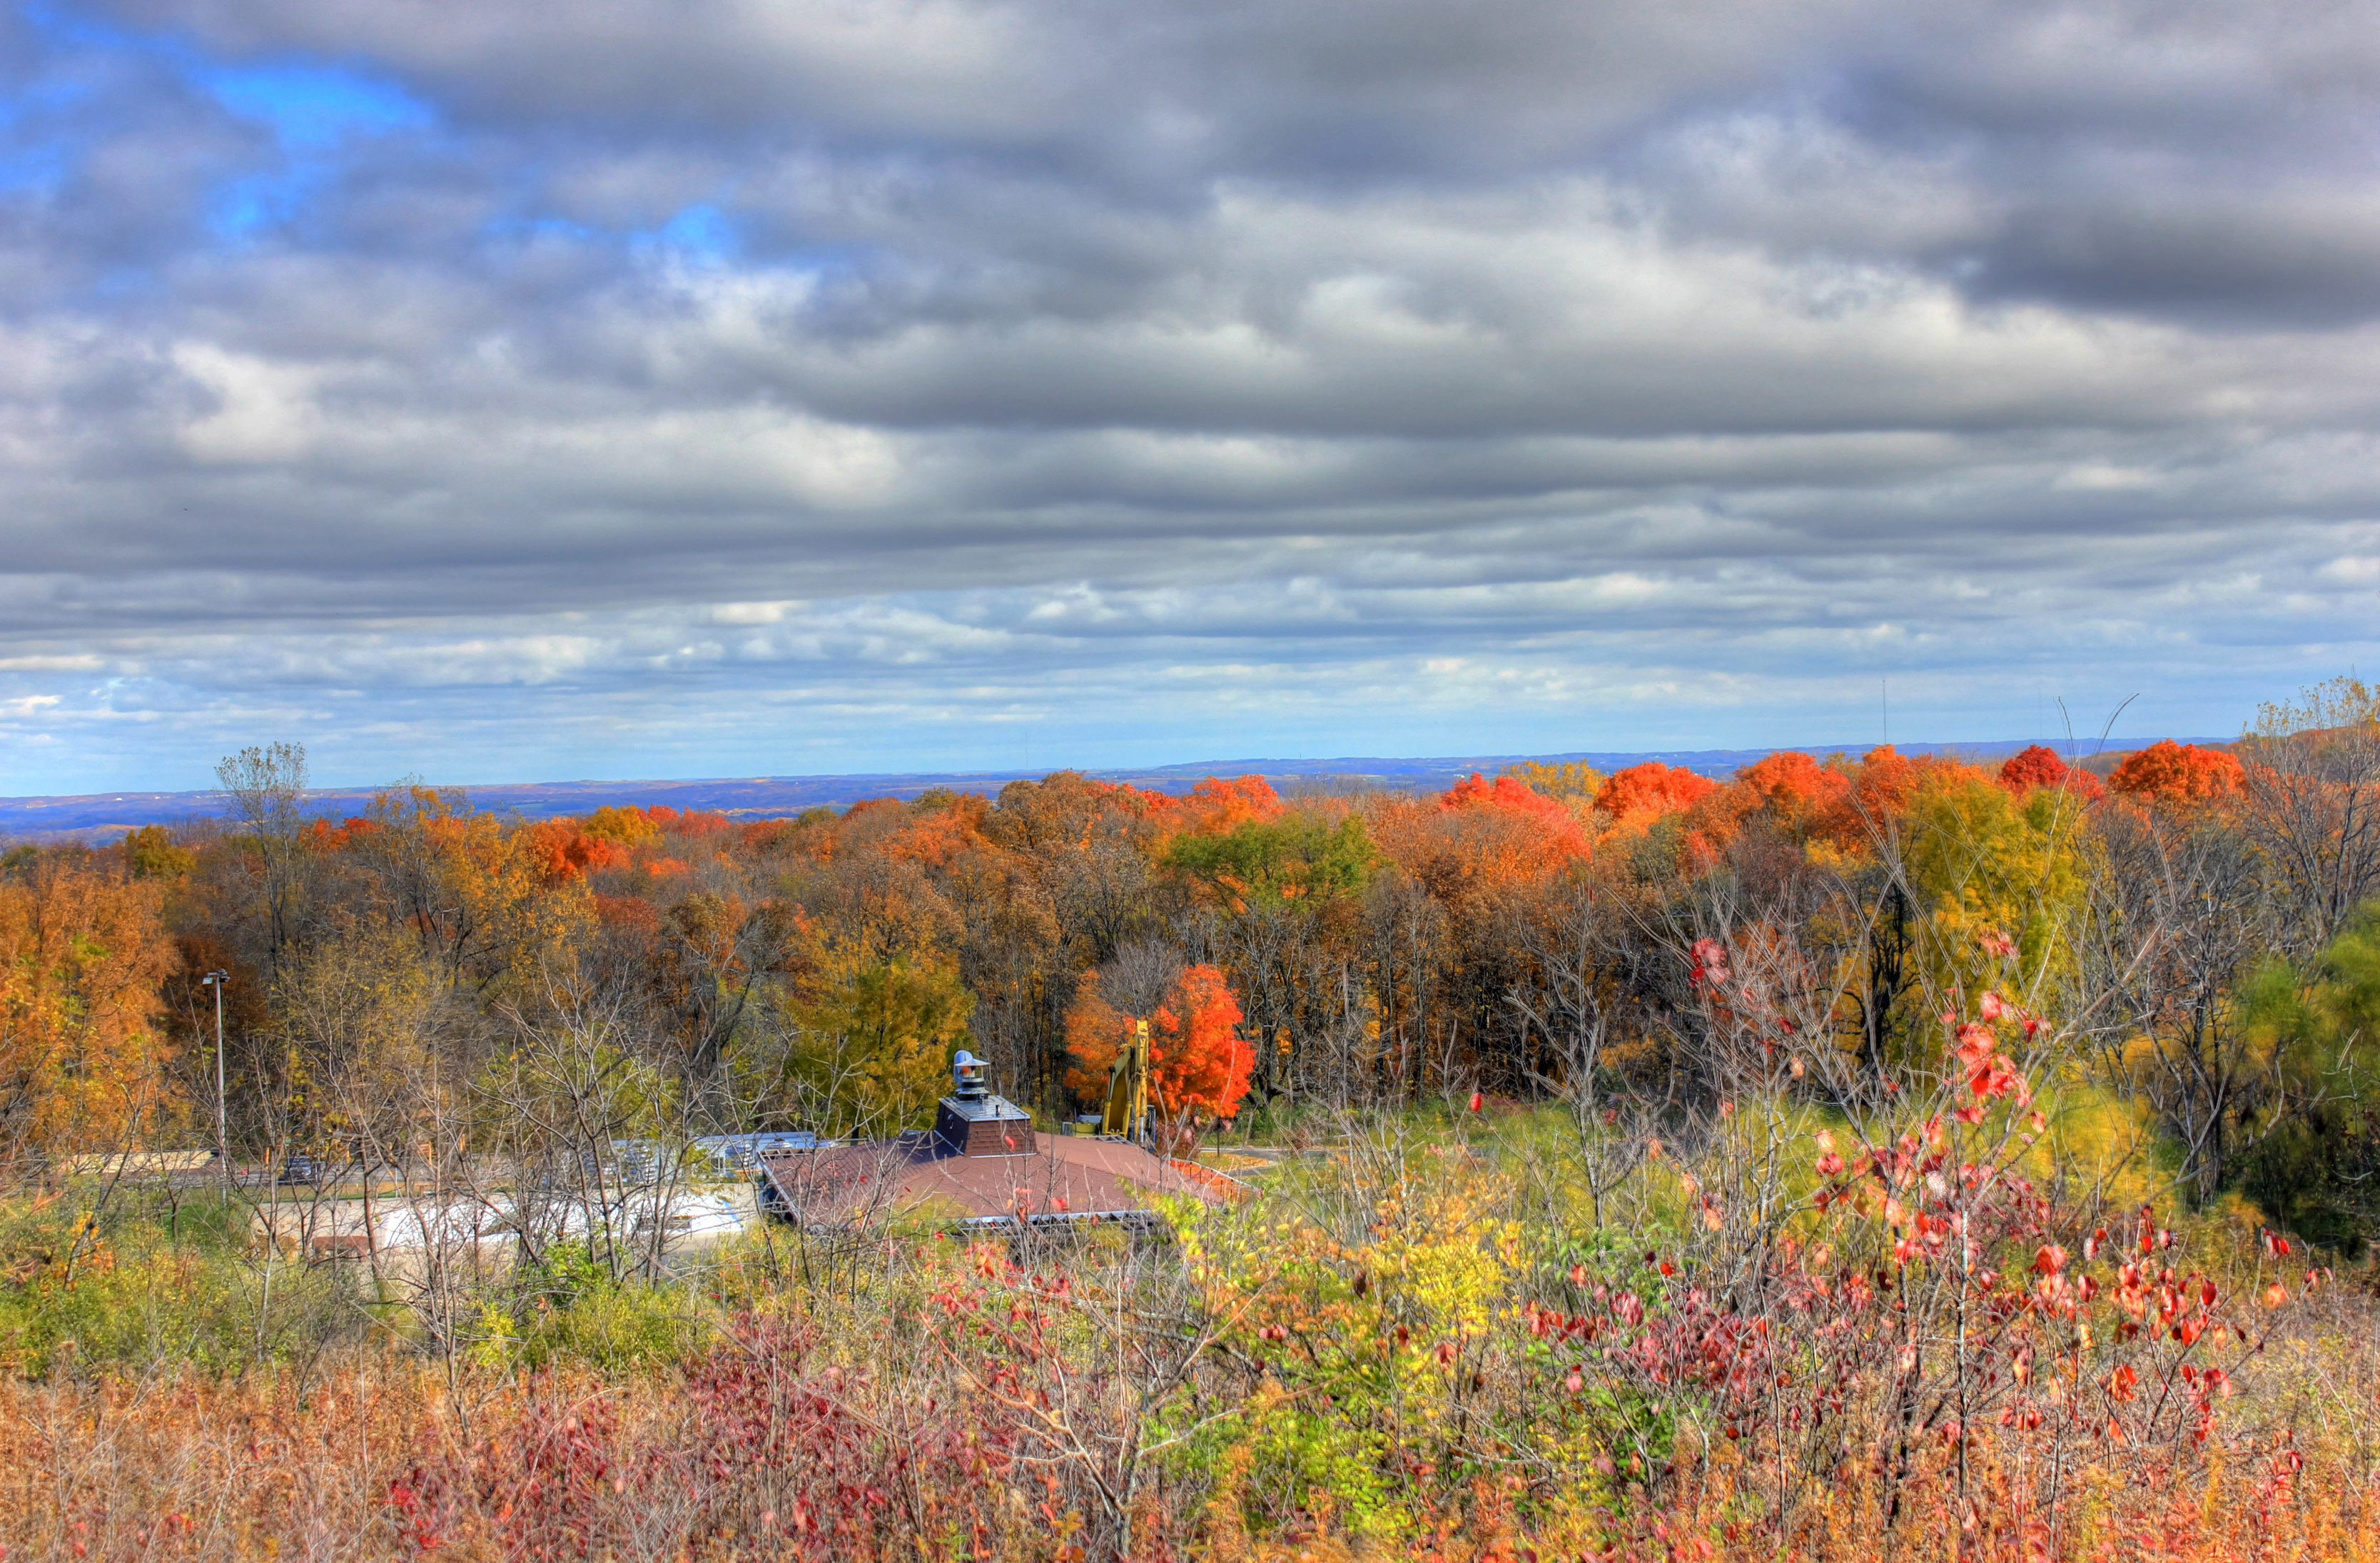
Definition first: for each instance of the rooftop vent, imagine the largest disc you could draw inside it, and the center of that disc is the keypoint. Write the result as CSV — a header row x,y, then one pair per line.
x,y
966,1076
975,1122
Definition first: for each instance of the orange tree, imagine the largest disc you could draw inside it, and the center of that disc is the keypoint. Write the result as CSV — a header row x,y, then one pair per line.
x,y
82,955
2178,773
1199,1065
1650,789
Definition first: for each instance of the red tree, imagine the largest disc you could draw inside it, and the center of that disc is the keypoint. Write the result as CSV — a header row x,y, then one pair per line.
x,y
2040,767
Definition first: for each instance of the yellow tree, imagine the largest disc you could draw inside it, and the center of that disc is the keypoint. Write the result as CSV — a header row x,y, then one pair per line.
x,y
357,1016
1573,783
874,1042
1980,861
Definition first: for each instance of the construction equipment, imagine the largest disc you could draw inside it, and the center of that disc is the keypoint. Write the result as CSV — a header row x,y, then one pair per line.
x,y
1127,1109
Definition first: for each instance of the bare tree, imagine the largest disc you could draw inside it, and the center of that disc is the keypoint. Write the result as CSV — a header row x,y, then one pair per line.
x,y
267,788
2314,807
2177,918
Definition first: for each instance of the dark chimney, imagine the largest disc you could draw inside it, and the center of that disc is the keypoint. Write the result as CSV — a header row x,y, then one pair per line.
x,y
973,1122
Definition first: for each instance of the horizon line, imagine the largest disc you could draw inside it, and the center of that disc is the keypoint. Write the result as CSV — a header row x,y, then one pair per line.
x,y
120,809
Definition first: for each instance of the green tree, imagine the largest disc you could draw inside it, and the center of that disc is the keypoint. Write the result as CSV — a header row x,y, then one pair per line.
x,y
151,853
2317,1170
1268,862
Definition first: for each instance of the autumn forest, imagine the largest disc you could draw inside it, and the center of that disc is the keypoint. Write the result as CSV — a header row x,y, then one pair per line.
x,y
1861,1154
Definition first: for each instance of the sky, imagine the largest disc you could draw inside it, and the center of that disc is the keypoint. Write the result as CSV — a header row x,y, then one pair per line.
x,y
652,388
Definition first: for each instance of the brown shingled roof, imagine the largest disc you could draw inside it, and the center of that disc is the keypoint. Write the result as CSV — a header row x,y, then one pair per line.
x,y
1050,1177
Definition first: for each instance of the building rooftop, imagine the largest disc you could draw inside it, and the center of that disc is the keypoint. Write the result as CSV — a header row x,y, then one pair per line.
x,y
981,1164
1044,1180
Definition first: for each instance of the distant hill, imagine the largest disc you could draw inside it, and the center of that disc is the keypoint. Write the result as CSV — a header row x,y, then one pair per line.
x,y
103,815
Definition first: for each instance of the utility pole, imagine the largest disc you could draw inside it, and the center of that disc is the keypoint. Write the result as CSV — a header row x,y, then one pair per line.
x,y
223,1138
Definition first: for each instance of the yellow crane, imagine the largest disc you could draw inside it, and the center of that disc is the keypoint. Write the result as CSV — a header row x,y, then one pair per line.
x,y
1127,1109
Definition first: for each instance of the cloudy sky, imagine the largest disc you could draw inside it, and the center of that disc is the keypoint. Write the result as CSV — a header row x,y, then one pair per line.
x,y
499,391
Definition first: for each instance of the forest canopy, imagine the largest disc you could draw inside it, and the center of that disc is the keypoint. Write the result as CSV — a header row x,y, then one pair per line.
x,y
2194,918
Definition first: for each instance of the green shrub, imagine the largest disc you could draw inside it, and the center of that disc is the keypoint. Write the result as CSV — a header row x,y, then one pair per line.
x,y
142,1292
616,1327
576,1311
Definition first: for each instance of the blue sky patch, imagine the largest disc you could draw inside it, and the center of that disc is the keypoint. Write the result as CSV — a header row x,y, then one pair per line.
x,y
701,231
311,109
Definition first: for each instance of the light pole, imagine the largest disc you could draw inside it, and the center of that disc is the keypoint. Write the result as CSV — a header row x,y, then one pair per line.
x,y
222,1139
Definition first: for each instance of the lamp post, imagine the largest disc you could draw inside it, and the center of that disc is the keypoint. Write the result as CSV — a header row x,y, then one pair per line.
x,y
222,1139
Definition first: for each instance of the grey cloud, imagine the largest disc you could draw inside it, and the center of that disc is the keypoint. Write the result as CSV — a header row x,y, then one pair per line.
x,y
2304,258
1329,84
1266,371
